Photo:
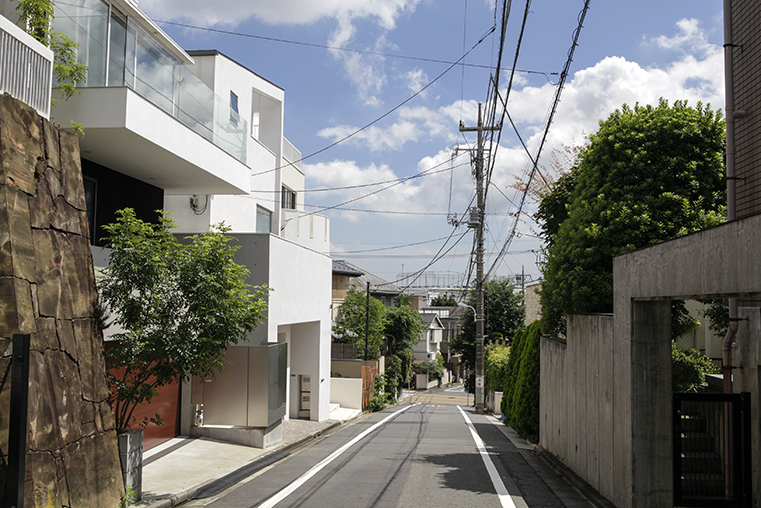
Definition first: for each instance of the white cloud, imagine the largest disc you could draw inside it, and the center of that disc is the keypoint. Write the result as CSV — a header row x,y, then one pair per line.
x,y
233,12
690,37
416,79
591,95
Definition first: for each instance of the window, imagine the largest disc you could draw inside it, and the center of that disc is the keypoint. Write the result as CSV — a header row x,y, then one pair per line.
x,y
255,125
233,108
263,220
288,199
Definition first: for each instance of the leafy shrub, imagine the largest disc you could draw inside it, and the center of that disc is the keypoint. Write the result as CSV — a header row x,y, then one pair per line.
x,y
689,367
496,357
520,400
377,403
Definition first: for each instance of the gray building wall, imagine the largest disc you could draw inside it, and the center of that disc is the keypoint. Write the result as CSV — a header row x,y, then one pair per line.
x,y
747,77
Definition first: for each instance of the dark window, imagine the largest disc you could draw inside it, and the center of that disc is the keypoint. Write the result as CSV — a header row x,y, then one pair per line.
x,y
91,191
288,199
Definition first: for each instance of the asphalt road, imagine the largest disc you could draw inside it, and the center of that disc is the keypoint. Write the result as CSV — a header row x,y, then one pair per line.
x,y
420,454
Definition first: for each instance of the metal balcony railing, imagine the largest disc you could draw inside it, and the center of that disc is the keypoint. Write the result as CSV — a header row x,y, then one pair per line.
x,y
26,67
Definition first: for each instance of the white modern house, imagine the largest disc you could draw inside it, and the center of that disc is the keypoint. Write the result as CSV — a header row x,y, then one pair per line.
x,y
201,136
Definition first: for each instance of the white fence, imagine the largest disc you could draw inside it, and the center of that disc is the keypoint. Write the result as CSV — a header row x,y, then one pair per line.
x,y
26,67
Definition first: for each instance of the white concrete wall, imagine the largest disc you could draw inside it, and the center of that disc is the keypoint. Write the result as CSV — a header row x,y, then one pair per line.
x,y
300,280
346,392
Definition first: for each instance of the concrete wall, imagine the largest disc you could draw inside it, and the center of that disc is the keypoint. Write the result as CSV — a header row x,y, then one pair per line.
x,y
353,368
747,378
346,392
718,262
576,402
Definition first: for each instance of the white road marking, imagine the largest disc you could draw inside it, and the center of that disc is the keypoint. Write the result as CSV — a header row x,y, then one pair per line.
x,y
499,486
301,480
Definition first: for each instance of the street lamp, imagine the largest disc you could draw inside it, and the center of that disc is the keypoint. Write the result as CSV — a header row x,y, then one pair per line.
x,y
460,304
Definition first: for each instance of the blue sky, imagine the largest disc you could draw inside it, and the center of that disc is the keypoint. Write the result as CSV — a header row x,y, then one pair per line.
x,y
628,52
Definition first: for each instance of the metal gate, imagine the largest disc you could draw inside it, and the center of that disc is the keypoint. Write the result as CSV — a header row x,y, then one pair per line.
x,y
712,450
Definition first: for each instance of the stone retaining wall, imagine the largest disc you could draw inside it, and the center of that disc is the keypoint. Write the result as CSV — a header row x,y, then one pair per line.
x,y
47,289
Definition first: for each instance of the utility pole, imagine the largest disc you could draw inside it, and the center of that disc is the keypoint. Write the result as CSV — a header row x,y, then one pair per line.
x,y
476,221
367,321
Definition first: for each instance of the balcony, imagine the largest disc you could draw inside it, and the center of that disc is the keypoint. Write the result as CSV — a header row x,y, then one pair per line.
x,y
26,67
144,113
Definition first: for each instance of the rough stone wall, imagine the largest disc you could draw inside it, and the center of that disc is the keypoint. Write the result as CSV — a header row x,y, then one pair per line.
x,y
47,289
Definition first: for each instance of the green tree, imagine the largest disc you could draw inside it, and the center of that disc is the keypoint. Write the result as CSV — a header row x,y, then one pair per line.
x,y
689,369
351,322
37,16
444,301
404,327
649,174
179,307
504,312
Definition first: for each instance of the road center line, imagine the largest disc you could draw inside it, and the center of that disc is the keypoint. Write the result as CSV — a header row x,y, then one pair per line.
x,y
301,480
499,486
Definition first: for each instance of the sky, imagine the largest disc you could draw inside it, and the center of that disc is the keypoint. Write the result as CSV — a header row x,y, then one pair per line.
x,y
376,91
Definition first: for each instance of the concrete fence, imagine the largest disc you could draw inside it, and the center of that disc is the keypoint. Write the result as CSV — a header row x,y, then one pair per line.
x,y
576,400
346,392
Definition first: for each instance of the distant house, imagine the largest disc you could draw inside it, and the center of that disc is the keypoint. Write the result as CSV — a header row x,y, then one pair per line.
x,y
380,289
429,344
343,273
450,320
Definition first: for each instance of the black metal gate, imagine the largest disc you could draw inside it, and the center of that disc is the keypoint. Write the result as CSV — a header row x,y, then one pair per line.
x,y
712,450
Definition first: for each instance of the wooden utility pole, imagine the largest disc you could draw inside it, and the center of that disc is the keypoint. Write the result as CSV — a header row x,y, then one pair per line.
x,y
476,221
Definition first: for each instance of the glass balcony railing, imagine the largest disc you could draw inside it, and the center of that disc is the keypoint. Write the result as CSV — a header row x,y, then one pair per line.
x,y
118,52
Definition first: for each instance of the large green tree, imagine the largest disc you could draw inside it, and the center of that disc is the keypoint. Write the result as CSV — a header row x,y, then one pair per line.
x,y
351,322
650,173
504,312
178,307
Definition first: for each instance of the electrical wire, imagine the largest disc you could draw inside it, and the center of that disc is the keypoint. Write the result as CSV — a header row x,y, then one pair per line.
x,y
387,113
349,50
556,100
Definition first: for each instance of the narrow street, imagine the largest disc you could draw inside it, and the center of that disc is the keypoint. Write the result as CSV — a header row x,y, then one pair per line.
x,y
425,453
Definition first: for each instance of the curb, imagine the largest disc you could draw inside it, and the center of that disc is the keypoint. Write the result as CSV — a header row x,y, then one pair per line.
x,y
586,490
187,494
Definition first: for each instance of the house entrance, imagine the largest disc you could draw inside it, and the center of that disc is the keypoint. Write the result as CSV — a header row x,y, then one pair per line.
x,y
712,449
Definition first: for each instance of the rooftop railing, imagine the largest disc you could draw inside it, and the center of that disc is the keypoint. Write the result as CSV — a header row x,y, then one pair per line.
x,y
26,67
291,154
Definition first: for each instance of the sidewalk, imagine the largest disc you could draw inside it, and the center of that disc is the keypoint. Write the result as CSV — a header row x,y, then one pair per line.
x,y
171,472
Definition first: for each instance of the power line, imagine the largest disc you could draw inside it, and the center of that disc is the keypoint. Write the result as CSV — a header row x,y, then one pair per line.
x,y
349,50
556,100
384,115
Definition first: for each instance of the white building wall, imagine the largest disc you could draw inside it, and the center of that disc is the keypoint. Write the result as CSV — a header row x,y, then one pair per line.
x,y
298,308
